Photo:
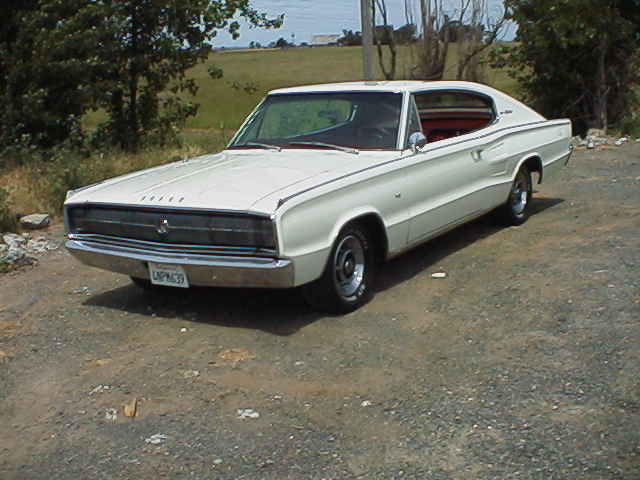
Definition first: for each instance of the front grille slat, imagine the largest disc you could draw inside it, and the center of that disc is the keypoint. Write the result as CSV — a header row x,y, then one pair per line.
x,y
183,228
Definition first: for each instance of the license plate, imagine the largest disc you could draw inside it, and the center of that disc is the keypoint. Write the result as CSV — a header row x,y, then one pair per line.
x,y
168,275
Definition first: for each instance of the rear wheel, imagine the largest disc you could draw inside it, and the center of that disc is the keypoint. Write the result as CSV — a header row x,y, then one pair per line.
x,y
346,282
515,210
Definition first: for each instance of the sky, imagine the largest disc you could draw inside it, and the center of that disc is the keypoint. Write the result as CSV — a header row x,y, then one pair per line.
x,y
305,18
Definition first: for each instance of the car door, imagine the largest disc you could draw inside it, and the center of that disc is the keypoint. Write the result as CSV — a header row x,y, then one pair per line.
x,y
447,177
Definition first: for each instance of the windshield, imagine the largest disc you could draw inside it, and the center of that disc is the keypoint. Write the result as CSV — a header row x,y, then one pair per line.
x,y
356,120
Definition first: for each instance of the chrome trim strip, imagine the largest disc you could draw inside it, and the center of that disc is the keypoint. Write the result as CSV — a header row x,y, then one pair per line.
x,y
171,248
166,209
216,271
535,125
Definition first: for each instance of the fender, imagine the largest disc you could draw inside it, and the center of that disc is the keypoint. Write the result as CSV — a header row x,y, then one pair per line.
x,y
529,156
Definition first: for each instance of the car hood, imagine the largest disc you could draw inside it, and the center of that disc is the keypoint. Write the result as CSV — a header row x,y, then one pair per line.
x,y
231,180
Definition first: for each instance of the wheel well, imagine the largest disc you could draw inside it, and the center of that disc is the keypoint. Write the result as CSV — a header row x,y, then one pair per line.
x,y
534,164
375,228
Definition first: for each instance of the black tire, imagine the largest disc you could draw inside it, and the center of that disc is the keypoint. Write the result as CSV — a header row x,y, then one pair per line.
x,y
515,210
348,276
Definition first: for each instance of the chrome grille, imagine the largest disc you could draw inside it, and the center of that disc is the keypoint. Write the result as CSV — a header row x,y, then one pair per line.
x,y
185,229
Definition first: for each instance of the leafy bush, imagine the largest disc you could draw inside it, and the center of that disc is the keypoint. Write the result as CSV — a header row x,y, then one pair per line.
x,y
8,221
53,176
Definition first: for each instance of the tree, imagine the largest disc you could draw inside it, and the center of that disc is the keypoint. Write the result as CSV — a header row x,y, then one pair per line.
x,y
149,47
475,31
41,72
384,35
282,43
350,38
576,58
129,57
432,53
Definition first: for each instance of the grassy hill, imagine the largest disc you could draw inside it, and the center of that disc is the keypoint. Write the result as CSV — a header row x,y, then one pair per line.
x,y
221,104
224,107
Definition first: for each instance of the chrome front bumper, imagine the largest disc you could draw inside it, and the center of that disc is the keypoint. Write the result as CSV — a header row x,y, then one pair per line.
x,y
201,270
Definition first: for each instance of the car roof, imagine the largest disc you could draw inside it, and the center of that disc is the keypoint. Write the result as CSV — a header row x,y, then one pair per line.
x,y
396,86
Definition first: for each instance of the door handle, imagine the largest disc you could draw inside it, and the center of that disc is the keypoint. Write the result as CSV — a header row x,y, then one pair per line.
x,y
477,154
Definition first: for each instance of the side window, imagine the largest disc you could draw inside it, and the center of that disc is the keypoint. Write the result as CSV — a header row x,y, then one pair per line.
x,y
414,121
446,114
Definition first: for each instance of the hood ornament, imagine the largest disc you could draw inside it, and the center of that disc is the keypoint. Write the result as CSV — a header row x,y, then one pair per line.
x,y
163,227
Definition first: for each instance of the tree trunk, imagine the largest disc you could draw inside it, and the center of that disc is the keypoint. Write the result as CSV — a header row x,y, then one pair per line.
x,y
133,133
602,89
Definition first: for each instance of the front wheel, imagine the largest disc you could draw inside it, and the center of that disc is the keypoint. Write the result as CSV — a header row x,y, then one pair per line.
x,y
515,210
346,282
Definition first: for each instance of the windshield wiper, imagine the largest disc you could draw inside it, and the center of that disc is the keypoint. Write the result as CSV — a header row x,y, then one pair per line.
x,y
328,145
268,146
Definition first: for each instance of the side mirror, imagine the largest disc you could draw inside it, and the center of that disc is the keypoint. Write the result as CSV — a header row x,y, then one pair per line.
x,y
417,140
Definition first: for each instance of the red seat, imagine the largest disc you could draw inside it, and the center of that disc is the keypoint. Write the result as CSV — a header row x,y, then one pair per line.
x,y
437,129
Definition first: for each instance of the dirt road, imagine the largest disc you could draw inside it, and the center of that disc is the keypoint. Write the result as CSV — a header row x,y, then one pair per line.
x,y
522,364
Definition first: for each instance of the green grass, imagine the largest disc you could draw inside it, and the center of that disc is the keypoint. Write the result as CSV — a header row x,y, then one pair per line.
x,y
223,107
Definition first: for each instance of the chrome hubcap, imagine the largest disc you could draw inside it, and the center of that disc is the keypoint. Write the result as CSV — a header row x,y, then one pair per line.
x,y
348,264
520,194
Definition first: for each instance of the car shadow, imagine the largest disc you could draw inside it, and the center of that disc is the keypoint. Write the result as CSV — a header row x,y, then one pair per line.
x,y
417,260
278,312
284,312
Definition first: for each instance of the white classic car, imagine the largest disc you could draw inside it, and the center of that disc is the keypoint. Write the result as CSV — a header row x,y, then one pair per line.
x,y
319,185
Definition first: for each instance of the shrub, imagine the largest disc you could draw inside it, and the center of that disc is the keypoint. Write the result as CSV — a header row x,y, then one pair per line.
x,y
8,220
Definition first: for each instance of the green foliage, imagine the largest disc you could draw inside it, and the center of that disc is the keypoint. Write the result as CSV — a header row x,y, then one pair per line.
x,y
8,221
575,58
60,59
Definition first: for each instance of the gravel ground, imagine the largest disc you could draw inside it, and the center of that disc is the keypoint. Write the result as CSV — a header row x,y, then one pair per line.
x,y
521,364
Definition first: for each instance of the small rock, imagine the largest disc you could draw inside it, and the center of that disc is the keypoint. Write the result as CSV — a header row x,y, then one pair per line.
x,y
111,415
4,357
130,409
157,439
183,330
596,132
366,403
244,413
591,145
217,461
100,389
439,275
191,374
236,355
14,240
35,221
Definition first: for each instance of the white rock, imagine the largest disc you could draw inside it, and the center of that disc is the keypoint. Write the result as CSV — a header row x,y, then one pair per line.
x,y
156,439
183,330
111,414
244,413
366,403
100,389
590,144
13,240
17,256
596,132
439,275
191,374
35,221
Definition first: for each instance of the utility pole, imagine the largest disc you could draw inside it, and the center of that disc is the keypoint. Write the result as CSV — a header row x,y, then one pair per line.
x,y
366,12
